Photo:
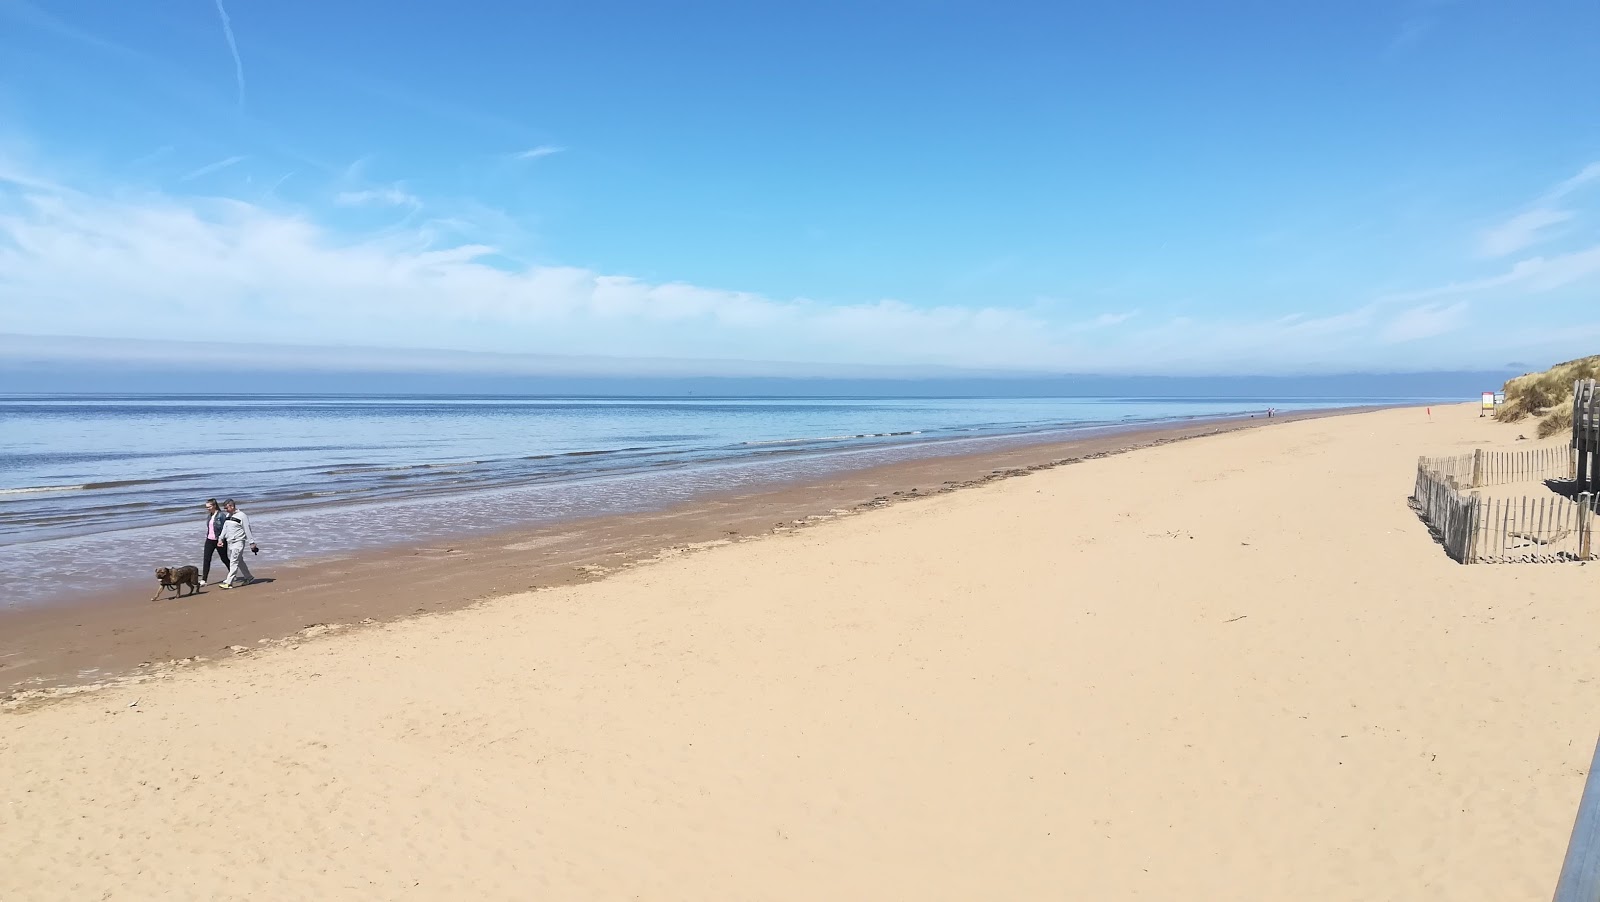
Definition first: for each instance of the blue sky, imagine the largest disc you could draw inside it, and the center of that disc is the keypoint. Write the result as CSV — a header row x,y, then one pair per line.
x,y
1119,187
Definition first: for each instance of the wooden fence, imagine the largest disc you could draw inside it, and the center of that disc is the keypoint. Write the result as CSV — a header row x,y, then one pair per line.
x,y
1537,530
1439,502
1475,530
1586,434
1485,468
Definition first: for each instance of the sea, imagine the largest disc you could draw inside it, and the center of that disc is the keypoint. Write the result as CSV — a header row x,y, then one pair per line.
x,y
91,485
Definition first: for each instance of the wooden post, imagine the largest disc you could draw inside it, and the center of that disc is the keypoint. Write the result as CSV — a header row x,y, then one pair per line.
x,y
1585,525
1585,429
1471,555
1477,467
1502,520
1527,522
1543,533
1580,872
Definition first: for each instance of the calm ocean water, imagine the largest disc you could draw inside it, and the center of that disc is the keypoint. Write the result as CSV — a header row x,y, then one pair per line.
x,y
91,482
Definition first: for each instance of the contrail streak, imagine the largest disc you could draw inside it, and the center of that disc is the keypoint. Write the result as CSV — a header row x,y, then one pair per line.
x,y
238,64
210,168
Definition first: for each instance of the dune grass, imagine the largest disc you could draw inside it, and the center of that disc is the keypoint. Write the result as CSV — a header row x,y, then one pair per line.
x,y
1547,396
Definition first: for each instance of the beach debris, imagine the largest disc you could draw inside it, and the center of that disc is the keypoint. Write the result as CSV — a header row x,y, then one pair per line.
x,y
237,649
1236,619
135,703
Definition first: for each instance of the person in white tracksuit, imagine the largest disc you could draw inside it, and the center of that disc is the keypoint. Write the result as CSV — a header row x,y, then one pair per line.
x,y
236,531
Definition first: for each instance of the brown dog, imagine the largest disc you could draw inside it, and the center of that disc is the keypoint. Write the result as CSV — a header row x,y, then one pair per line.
x,y
175,578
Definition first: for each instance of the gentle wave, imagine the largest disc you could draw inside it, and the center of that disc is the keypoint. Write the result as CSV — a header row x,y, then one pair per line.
x,y
832,438
85,486
33,490
368,469
125,483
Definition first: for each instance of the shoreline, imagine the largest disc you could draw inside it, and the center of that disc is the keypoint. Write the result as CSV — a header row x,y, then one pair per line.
x,y
108,635
56,567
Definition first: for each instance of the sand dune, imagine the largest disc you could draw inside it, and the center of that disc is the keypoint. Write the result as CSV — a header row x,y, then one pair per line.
x,y
1232,668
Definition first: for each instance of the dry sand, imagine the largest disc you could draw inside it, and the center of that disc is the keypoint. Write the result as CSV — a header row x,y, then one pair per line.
x,y
1232,668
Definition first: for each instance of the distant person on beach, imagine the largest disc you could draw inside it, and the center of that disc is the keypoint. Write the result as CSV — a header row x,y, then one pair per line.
x,y
236,533
214,545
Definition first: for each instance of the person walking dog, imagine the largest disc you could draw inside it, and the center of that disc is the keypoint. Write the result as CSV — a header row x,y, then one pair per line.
x,y
236,532
214,520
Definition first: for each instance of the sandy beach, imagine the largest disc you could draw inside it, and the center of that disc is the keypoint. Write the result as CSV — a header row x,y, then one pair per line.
x,y
1235,667
84,639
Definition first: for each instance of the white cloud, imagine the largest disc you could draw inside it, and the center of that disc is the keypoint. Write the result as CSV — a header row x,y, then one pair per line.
x,y
1521,231
1532,226
1589,174
534,153
121,264
156,265
233,48
1425,321
390,196
1533,275
151,157
209,168
1115,319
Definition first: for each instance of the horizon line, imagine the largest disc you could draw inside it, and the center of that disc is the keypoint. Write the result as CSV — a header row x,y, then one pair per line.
x,y
32,351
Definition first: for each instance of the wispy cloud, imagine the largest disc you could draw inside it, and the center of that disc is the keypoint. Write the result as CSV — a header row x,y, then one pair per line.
x,y
17,175
1521,231
357,168
1533,275
154,155
233,47
1588,175
389,196
534,153
1115,319
1411,33
209,168
278,184
1537,223
137,263
1426,321
1420,19
28,14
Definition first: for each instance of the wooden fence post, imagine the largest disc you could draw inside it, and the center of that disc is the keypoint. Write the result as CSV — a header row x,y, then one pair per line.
x,y
1470,551
1585,525
1477,467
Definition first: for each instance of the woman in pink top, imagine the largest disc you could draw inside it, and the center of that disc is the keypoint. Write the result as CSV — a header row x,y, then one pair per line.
x,y
214,543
